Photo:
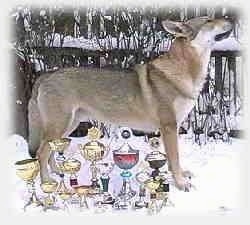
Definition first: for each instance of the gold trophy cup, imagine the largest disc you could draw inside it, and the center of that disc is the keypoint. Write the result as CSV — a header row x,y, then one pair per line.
x,y
152,185
93,151
72,166
49,188
28,170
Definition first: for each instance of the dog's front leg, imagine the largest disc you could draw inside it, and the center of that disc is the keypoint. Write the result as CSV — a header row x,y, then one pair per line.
x,y
169,133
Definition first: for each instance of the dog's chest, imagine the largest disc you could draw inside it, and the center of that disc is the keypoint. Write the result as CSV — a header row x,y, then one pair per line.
x,y
182,107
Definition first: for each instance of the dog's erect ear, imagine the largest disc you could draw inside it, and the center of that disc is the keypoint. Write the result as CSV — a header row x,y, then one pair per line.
x,y
178,29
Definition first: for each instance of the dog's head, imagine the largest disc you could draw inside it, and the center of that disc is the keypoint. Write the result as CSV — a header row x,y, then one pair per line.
x,y
201,28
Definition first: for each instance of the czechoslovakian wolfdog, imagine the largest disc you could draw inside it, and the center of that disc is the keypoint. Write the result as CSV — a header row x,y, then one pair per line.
x,y
159,94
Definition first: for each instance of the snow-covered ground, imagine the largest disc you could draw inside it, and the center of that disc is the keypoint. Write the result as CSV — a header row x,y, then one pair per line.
x,y
217,166
224,45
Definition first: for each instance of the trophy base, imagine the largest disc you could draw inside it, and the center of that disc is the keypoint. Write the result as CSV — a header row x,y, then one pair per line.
x,y
127,195
153,208
93,191
34,200
54,208
108,199
126,191
140,205
121,204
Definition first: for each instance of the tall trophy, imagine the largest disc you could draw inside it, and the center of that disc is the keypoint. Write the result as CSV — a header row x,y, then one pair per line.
x,y
28,170
59,146
94,151
157,160
125,158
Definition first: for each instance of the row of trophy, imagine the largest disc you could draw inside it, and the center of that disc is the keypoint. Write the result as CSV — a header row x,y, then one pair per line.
x,y
150,180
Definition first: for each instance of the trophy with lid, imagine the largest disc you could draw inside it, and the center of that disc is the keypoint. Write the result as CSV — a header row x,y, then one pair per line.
x,y
94,151
157,160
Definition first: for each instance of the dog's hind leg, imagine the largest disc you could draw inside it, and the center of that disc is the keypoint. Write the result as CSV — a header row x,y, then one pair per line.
x,y
72,126
56,120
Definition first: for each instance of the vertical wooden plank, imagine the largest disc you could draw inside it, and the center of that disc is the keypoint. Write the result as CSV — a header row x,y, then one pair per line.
x,y
203,11
218,73
232,70
191,12
218,12
83,22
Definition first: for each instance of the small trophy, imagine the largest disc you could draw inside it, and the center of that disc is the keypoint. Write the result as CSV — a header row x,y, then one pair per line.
x,y
93,151
106,169
72,166
49,188
28,170
152,184
141,202
82,191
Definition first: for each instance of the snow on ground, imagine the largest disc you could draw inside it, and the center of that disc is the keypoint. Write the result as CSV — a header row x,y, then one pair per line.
x,y
216,166
229,44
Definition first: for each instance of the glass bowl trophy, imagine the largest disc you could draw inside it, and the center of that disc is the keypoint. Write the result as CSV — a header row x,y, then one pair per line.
x,y
28,170
94,151
125,158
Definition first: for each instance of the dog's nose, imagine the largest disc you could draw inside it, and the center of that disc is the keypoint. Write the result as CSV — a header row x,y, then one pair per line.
x,y
229,19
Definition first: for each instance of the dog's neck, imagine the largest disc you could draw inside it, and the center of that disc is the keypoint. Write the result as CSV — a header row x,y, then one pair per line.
x,y
187,56
203,44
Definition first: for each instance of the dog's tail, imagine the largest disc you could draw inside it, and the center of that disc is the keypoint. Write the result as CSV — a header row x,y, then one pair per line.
x,y
35,123
34,128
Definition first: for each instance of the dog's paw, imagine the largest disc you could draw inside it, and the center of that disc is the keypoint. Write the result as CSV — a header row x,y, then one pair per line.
x,y
183,183
187,174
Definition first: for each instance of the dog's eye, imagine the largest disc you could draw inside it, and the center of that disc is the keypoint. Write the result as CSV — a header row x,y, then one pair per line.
x,y
209,20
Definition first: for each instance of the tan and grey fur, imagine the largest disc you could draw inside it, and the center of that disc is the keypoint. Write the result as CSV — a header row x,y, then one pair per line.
x,y
158,94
